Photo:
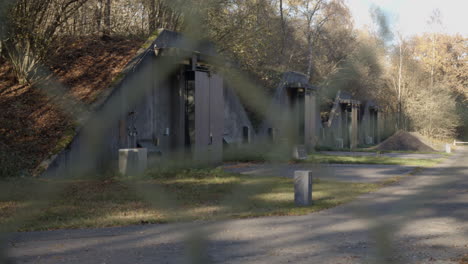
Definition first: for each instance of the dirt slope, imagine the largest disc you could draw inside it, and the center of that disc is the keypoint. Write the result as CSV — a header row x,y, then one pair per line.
x,y
31,127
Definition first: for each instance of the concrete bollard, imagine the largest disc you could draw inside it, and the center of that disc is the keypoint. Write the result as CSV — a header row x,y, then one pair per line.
x,y
303,188
133,161
448,148
299,152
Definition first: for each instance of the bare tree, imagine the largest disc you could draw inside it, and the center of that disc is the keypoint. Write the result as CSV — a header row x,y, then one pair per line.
x,y
30,29
315,16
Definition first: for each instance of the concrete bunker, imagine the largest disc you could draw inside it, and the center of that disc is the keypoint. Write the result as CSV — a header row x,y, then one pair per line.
x,y
169,100
181,113
298,124
341,128
369,123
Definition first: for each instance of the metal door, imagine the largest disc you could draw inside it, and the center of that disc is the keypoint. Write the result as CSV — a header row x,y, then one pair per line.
x,y
209,117
310,121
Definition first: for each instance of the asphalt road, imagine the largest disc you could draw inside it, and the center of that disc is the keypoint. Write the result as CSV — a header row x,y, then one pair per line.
x,y
422,219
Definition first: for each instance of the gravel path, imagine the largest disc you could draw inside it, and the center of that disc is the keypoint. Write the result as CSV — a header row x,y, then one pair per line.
x,y
339,172
422,219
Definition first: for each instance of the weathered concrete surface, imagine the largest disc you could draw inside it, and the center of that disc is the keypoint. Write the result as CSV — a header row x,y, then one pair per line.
x,y
391,155
133,161
235,118
303,188
339,172
425,219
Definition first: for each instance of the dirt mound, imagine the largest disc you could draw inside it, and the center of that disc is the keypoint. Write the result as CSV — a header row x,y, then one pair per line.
x,y
403,140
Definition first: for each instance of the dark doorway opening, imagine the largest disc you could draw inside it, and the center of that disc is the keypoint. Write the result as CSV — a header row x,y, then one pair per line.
x,y
189,98
296,98
245,135
271,134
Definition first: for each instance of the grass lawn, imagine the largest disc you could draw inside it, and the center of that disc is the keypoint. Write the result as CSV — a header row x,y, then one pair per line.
x,y
323,158
32,204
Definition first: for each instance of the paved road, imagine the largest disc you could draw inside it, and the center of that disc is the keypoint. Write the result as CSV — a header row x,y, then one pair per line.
x,y
391,155
423,219
339,172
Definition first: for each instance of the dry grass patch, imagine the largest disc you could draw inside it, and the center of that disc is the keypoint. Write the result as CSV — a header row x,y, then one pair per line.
x,y
160,198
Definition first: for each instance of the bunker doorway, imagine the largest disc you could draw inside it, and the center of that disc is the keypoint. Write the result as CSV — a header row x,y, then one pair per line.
x,y
296,98
204,116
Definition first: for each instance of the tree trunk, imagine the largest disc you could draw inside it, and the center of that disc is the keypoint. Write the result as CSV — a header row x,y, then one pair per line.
x,y
399,122
433,61
283,37
98,14
152,16
107,19
309,55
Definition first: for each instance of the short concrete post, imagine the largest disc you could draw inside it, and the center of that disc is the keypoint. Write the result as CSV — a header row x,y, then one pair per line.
x,y
303,188
133,161
299,152
448,148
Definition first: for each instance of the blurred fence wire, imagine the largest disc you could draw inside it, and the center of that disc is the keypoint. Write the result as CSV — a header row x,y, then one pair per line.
x,y
97,122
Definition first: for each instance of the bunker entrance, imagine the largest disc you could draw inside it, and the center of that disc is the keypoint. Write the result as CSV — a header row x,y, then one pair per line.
x,y
296,100
203,115
189,99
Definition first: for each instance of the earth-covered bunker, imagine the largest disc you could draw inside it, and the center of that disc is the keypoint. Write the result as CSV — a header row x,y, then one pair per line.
x,y
294,112
341,128
170,100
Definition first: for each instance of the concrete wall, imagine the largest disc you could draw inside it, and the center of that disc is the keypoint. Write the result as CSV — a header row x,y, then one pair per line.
x,y
106,131
235,118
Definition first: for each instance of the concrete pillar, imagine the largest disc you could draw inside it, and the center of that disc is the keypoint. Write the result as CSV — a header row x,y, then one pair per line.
x,y
303,188
354,126
379,127
133,161
310,121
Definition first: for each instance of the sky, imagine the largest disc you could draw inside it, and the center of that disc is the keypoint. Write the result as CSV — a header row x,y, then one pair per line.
x,y
410,16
